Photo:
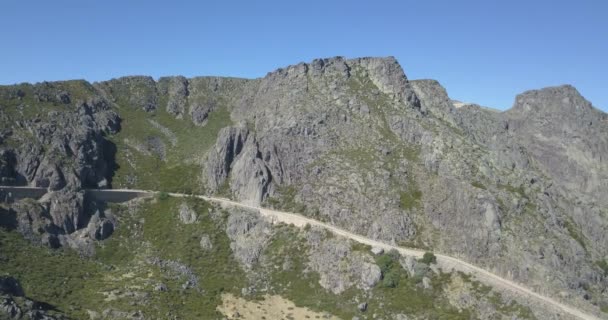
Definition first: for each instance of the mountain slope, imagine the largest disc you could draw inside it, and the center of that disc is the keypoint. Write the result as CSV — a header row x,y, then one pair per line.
x,y
350,142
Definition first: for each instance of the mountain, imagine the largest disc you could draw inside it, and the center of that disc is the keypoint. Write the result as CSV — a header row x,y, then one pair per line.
x,y
349,142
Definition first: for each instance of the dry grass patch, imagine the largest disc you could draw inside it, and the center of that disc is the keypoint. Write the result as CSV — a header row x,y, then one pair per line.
x,y
270,307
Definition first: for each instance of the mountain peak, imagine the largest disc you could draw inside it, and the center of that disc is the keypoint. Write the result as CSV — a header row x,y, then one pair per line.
x,y
557,99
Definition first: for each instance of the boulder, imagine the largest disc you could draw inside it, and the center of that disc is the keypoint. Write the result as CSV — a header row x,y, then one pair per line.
x,y
362,306
186,214
206,243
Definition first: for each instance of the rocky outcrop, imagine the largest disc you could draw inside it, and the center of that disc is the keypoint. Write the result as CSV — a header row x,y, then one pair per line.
x,y
59,140
197,97
229,145
434,99
8,162
176,90
339,267
67,149
388,76
186,214
248,234
62,219
565,135
177,270
206,243
136,91
236,160
250,177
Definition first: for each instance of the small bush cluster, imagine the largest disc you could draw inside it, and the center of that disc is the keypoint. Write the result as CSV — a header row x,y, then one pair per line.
x,y
162,196
390,268
428,258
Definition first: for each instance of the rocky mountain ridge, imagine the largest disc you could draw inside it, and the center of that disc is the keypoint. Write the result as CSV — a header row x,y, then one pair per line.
x,y
349,141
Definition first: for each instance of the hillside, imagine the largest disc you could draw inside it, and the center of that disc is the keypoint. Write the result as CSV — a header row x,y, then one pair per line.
x,y
349,142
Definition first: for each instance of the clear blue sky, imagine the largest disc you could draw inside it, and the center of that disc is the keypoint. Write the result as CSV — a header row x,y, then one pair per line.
x,y
481,51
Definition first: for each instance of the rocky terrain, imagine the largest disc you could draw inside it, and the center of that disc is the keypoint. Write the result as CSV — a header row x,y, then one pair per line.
x,y
16,306
351,142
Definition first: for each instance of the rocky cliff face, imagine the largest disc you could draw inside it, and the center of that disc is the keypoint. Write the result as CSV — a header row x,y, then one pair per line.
x,y
55,137
61,148
352,142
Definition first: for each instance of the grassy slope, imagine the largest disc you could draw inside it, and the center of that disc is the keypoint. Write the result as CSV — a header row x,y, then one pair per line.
x,y
75,284
180,171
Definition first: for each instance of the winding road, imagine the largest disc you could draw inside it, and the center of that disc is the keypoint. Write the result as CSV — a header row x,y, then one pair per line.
x,y
443,261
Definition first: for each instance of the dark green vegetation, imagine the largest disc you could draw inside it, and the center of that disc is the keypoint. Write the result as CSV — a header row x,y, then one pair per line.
x,y
60,277
478,184
575,233
389,265
127,269
27,101
122,274
428,258
409,199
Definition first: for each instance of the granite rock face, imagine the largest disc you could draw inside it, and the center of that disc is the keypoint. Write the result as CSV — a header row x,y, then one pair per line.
x,y
186,214
62,149
340,268
248,234
58,139
176,90
61,218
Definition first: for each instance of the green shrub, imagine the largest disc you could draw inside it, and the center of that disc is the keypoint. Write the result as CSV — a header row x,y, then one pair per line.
x,y
478,185
385,262
162,196
575,233
428,258
390,268
391,279
410,199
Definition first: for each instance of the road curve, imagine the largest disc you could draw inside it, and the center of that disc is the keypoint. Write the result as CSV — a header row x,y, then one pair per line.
x,y
444,261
